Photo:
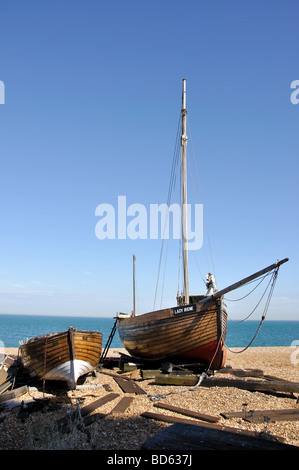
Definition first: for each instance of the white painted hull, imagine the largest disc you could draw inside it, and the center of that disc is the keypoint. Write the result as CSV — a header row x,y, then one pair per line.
x,y
63,356
69,372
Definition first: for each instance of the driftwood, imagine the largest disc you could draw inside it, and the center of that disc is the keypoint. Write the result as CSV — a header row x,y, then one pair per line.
x,y
189,437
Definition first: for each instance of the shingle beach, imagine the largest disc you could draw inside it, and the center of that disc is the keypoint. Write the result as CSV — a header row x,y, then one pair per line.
x,y
129,430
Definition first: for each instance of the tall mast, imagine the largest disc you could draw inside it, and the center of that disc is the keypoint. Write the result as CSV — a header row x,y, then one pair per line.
x,y
134,310
184,193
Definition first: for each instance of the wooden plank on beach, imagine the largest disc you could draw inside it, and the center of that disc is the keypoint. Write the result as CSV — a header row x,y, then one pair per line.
x,y
219,427
192,414
97,403
265,418
128,386
3,376
271,413
176,419
245,384
186,437
253,385
241,372
261,416
86,410
119,408
5,385
17,392
122,405
150,373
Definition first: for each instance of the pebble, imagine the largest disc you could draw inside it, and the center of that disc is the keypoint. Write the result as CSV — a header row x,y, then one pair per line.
x,y
129,431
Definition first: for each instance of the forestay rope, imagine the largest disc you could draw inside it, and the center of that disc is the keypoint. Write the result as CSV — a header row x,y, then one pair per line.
x,y
170,191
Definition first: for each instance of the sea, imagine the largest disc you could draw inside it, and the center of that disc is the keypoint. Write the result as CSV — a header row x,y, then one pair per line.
x,y
15,329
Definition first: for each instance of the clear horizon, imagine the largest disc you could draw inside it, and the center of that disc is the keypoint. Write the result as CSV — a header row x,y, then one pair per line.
x,y
89,107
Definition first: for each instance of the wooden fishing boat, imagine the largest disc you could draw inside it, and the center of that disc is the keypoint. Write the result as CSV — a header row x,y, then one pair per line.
x,y
194,331
64,356
190,333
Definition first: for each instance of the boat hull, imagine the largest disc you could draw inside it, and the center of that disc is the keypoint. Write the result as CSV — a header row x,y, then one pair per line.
x,y
63,356
192,333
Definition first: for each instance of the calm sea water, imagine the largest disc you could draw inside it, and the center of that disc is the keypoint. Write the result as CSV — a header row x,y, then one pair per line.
x,y
16,328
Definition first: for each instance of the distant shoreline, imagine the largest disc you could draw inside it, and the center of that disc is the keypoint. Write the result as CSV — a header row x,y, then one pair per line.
x,y
114,316
114,351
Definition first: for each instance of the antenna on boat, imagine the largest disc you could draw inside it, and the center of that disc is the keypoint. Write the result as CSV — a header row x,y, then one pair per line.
x,y
134,259
184,193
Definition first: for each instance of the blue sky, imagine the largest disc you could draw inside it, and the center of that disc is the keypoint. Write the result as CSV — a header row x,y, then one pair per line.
x,y
92,99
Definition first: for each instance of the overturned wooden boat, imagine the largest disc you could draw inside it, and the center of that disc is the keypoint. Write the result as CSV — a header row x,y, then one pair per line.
x,y
194,331
63,356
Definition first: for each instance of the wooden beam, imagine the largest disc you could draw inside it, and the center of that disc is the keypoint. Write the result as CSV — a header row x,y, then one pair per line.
x,y
260,416
245,384
192,414
244,281
241,372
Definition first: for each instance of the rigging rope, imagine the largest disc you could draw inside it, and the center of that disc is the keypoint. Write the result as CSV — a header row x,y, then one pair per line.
x,y
246,318
273,280
241,298
170,190
204,217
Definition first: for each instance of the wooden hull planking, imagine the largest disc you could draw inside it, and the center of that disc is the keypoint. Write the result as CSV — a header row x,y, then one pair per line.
x,y
62,356
194,333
